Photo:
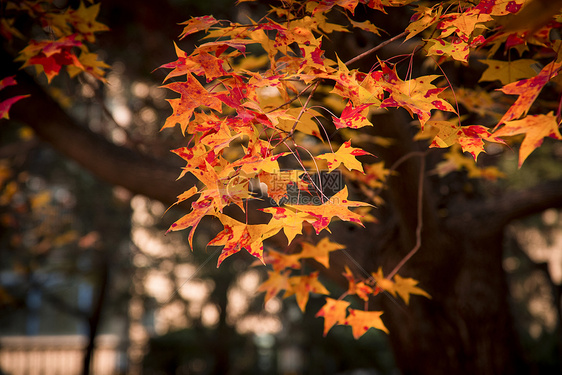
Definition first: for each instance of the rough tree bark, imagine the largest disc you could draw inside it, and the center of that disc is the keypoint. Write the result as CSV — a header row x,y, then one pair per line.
x,y
466,327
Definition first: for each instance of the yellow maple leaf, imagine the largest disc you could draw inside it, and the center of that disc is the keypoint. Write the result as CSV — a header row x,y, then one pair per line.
x,y
471,137
346,156
302,286
507,71
321,251
287,219
360,322
406,286
383,283
535,128
334,312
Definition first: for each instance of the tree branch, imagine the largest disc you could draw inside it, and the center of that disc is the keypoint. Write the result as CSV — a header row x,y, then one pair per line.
x,y
116,165
494,214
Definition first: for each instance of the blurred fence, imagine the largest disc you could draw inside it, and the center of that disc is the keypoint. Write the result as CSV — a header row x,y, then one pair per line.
x,y
59,355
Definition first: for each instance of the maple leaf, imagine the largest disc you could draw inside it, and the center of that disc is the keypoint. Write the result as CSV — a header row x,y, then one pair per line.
x,y
359,87
286,219
418,96
471,137
374,176
406,286
199,62
51,56
237,236
366,26
193,95
383,283
84,21
463,24
499,7
218,138
302,286
360,322
337,205
361,289
346,156
455,160
422,19
353,117
191,220
8,31
535,128
528,90
280,261
196,158
275,283
6,104
90,64
196,24
457,49
321,251
185,196
277,182
307,123
327,5
507,71
334,312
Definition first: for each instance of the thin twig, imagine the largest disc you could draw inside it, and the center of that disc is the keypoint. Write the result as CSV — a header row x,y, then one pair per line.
x,y
376,48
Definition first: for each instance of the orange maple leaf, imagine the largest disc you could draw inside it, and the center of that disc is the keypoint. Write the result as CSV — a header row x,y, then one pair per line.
x,y
528,90
358,87
535,128
360,321
197,24
192,219
337,205
334,312
277,182
280,261
361,289
418,96
302,286
199,62
193,95
275,283
237,236
471,137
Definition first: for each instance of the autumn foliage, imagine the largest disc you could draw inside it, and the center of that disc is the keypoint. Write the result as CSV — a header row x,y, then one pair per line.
x,y
259,104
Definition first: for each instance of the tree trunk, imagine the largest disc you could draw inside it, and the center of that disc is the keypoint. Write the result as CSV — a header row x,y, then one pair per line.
x,y
466,327
95,317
